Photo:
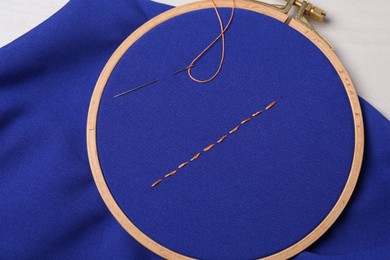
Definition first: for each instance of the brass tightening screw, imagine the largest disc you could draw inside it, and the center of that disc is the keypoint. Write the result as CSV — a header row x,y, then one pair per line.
x,y
313,11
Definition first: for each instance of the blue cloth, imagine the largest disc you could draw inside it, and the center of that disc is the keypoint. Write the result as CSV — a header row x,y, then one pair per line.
x,y
50,207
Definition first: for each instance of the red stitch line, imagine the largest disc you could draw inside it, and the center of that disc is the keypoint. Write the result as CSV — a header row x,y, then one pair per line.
x,y
211,146
182,165
208,148
222,139
195,157
246,121
170,174
234,129
257,113
270,105
156,183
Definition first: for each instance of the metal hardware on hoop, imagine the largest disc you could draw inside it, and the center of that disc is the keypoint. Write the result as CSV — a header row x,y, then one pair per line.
x,y
306,9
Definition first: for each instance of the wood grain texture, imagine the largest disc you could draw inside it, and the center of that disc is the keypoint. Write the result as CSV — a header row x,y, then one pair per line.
x,y
248,5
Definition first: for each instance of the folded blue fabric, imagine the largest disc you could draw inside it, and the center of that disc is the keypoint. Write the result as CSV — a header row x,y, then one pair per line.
x,y
50,207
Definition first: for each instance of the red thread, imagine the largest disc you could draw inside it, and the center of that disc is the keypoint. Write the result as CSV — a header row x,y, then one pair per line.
x,y
211,146
221,35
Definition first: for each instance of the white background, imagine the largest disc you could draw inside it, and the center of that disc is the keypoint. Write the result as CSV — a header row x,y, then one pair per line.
x,y
358,30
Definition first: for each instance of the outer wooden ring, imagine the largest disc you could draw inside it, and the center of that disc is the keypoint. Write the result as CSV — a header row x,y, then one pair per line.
x,y
244,4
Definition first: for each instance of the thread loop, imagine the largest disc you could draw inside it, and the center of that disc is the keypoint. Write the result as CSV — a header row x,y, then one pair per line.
x,y
221,35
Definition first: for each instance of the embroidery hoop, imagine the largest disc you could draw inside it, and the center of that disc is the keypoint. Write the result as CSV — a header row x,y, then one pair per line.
x,y
310,34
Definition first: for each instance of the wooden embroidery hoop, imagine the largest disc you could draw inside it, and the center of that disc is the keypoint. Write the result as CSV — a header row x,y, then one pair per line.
x,y
310,34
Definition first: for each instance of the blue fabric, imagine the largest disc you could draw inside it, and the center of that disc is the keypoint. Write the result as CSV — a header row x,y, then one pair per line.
x,y
50,207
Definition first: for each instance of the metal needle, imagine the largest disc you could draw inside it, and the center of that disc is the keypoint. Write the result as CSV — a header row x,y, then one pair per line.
x,y
150,83
137,88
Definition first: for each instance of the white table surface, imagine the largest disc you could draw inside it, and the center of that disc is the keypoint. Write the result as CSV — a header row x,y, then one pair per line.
x,y
358,30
